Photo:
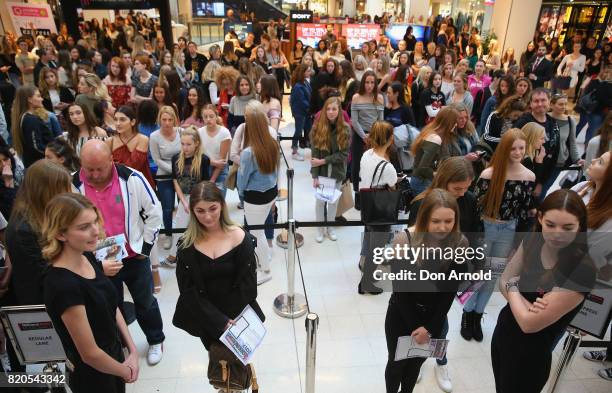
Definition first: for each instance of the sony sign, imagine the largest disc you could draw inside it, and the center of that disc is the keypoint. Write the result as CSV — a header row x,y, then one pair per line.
x,y
301,16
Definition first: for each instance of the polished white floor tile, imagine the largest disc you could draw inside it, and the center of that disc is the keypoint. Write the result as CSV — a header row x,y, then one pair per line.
x,y
352,350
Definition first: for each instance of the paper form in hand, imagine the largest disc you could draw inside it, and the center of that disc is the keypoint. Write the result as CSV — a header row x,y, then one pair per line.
x,y
245,335
327,191
408,348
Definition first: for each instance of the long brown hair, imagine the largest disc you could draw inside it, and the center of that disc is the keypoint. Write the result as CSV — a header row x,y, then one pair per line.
x,y
257,136
599,207
320,135
73,130
298,74
42,81
442,125
452,170
511,104
43,180
122,69
362,86
269,88
492,199
437,198
20,107
60,213
208,192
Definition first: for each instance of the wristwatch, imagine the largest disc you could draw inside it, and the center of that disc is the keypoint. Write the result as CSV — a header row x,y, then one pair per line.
x,y
512,284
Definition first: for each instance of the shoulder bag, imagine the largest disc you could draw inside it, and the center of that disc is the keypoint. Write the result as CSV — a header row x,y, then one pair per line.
x,y
226,371
379,205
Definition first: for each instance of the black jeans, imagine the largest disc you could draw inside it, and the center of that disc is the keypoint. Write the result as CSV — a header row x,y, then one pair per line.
x,y
404,372
136,274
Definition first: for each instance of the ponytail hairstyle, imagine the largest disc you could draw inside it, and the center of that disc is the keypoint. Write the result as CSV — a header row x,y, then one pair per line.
x,y
191,131
60,213
62,149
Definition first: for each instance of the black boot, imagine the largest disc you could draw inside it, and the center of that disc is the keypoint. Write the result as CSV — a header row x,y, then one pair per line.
x,y
476,328
357,201
466,325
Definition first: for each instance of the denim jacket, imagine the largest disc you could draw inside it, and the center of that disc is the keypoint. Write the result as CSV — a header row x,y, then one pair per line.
x,y
250,178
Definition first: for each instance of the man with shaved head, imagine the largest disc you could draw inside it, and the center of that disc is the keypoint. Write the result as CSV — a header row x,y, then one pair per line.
x,y
128,206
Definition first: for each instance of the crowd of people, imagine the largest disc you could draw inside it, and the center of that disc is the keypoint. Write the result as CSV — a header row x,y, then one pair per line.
x,y
120,133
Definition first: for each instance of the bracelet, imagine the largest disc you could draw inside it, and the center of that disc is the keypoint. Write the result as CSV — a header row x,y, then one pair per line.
x,y
512,284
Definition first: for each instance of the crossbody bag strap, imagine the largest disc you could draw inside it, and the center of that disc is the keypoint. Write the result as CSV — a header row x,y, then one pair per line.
x,y
382,170
375,171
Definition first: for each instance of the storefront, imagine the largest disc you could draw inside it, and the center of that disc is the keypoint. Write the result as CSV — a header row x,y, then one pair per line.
x,y
475,13
563,19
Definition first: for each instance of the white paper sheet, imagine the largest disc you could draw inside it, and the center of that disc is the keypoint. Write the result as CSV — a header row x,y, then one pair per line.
x,y
327,191
111,248
245,336
408,348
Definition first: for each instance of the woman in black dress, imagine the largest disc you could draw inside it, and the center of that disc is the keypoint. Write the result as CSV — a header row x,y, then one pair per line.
x,y
544,293
216,258
418,308
82,301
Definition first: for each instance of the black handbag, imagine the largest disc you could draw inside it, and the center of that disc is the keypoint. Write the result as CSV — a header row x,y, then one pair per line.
x,y
561,82
379,205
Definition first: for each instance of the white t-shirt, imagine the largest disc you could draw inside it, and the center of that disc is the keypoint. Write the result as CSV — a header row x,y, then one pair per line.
x,y
369,161
211,146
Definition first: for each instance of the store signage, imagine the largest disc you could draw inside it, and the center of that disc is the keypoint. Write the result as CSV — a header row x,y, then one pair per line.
x,y
357,34
489,2
302,16
396,33
32,18
241,29
310,33
116,4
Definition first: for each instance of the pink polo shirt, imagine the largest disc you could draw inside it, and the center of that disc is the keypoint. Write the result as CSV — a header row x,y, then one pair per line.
x,y
110,203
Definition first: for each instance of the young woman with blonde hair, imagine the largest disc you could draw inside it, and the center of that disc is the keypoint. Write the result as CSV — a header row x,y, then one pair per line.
x,y
535,136
257,185
217,254
278,63
164,144
216,142
505,200
330,146
91,90
82,301
190,166
430,147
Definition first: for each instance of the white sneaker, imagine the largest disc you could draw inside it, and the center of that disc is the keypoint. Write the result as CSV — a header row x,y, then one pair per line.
x,y
297,157
155,354
320,235
263,277
420,375
331,233
167,242
443,378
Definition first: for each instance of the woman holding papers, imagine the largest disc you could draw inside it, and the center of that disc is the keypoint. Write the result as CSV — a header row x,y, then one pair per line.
x,y
545,284
82,301
216,263
330,146
418,307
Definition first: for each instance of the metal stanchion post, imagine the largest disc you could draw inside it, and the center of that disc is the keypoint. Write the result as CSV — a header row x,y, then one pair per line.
x,y
280,239
569,349
290,304
312,324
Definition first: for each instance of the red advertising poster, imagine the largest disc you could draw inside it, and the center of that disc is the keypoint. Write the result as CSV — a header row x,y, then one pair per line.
x,y
310,33
357,34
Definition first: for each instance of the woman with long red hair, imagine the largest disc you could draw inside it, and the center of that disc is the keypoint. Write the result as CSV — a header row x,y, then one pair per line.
x,y
118,84
505,198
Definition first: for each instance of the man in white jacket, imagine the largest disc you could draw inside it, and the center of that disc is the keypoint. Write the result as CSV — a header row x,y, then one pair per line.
x,y
130,207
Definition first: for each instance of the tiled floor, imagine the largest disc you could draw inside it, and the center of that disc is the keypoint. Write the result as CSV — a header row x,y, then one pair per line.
x,y
351,351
